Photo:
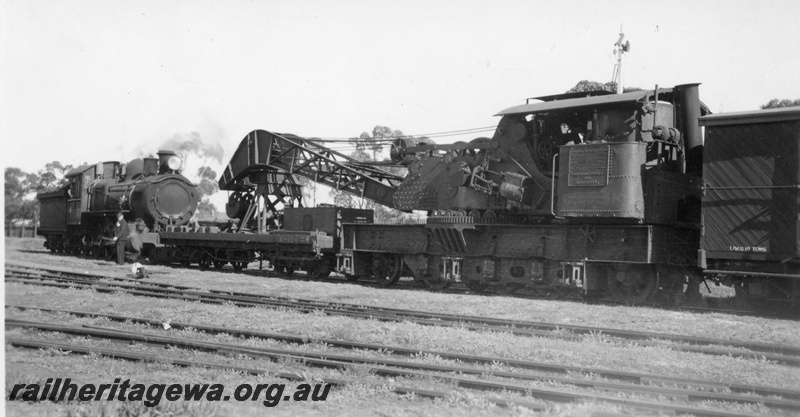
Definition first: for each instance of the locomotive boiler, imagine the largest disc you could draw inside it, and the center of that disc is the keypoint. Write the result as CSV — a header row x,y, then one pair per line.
x,y
151,192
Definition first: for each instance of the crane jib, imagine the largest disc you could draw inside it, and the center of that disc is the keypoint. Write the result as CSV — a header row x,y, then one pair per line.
x,y
262,151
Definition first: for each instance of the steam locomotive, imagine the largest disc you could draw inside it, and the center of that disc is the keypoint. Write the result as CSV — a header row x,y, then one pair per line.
x,y
608,195
80,217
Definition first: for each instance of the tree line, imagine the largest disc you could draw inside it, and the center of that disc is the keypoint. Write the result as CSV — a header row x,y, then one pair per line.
x,y
22,186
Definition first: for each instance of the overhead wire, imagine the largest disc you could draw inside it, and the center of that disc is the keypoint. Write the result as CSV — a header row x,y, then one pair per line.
x,y
391,139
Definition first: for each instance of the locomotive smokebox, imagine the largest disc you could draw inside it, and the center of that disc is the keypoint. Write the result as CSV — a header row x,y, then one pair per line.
x,y
688,102
166,200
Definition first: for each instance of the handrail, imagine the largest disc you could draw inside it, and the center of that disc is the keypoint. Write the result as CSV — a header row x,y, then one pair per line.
x,y
553,187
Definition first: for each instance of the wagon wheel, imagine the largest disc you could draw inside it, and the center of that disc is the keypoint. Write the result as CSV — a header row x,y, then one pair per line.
x,y
205,262
587,234
476,286
238,266
319,269
219,264
387,268
506,289
640,287
51,246
282,269
436,283
760,304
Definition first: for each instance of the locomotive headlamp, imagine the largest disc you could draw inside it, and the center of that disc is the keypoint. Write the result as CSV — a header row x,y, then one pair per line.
x,y
174,163
168,161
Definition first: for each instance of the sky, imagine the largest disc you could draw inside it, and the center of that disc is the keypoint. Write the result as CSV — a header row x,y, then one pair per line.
x,y
85,81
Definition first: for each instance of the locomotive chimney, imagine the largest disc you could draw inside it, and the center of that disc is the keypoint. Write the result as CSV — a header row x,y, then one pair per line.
x,y
150,166
688,103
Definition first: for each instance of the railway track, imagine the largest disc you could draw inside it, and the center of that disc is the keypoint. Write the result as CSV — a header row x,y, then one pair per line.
x,y
140,357
786,354
712,305
668,398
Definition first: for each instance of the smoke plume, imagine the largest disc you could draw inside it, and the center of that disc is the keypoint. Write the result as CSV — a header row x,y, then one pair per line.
x,y
193,143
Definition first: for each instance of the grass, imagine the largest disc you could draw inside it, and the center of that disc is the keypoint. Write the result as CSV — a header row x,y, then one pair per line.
x,y
593,350
371,394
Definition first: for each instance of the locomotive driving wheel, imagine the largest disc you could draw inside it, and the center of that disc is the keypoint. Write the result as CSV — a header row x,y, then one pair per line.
x,y
96,236
387,268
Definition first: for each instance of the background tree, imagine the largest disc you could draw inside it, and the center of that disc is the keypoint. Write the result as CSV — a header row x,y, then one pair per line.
x,y
308,189
21,188
370,148
344,199
775,103
208,185
584,86
52,177
382,136
19,204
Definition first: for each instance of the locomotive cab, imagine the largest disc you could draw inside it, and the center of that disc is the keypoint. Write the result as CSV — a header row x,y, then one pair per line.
x,y
621,156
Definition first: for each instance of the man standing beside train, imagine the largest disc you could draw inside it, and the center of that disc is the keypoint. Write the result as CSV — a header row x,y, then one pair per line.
x,y
121,236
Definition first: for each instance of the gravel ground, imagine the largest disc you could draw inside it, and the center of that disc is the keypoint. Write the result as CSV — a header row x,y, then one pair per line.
x,y
371,395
